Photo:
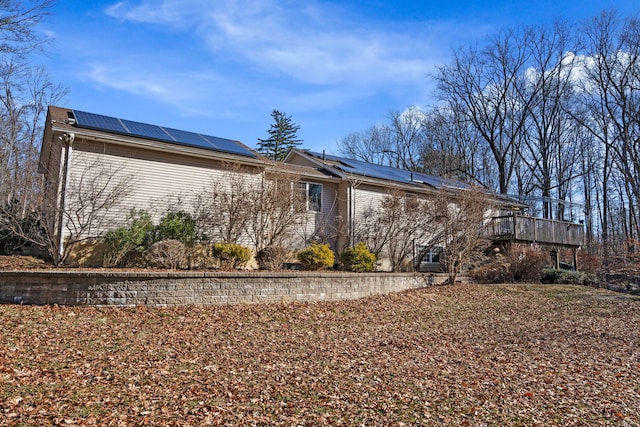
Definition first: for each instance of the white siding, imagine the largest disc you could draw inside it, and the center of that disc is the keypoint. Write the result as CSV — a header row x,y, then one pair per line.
x,y
156,181
366,198
159,181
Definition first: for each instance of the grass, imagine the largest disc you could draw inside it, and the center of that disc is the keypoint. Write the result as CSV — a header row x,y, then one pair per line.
x,y
456,355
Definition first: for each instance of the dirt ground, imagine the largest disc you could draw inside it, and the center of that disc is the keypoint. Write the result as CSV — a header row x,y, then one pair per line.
x,y
16,262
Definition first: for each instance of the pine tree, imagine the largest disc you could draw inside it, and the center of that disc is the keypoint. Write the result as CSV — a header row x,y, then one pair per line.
x,y
282,137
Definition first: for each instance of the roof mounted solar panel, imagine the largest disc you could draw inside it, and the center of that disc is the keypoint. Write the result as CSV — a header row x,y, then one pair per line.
x,y
98,122
189,138
158,133
147,131
371,170
228,145
358,167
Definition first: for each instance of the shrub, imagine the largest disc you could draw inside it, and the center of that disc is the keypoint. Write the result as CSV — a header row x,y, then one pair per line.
x,y
316,257
526,264
167,254
493,272
231,255
272,257
358,258
128,241
14,238
555,276
199,257
179,226
589,263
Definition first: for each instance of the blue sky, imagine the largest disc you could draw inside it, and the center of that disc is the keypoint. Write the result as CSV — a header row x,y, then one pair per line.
x,y
220,67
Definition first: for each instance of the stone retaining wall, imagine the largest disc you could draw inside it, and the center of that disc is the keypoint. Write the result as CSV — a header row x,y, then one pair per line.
x,y
109,288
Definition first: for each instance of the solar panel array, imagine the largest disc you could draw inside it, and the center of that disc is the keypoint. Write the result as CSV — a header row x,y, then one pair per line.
x,y
158,133
358,167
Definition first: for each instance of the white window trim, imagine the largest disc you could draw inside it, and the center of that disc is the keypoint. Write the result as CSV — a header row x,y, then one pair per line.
x,y
307,185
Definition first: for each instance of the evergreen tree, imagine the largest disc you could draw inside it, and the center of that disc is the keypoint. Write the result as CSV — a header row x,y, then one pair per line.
x,y
282,137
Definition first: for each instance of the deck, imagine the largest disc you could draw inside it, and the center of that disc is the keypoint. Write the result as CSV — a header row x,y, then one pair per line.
x,y
524,229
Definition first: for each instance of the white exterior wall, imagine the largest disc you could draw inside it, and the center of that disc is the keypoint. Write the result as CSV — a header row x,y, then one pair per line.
x,y
158,181
365,198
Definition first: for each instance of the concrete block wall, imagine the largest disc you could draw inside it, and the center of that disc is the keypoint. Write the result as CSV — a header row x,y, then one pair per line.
x,y
117,288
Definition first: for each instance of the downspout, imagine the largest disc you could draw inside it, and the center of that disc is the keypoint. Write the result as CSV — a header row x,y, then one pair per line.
x,y
350,216
68,139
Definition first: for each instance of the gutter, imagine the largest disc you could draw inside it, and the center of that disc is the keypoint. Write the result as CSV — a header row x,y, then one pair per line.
x,y
167,147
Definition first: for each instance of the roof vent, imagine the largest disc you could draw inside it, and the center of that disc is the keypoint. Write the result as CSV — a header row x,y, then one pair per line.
x,y
71,118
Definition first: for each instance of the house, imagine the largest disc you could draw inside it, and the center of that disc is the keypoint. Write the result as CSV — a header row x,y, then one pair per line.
x,y
97,168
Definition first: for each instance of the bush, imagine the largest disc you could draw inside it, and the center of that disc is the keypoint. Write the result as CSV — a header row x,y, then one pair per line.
x,y
358,258
526,264
167,254
14,237
589,263
230,255
555,276
316,257
179,226
272,257
132,240
199,257
492,272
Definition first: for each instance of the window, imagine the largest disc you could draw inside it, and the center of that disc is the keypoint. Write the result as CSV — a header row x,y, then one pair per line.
x,y
434,254
313,194
430,254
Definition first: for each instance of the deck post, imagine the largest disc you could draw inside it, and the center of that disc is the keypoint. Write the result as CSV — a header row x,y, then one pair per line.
x,y
555,256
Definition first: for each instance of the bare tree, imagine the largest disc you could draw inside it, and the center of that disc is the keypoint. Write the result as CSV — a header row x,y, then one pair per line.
x,y
275,210
263,210
488,88
88,207
460,219
25,94
549,149
610,112
408,138
18,25
398,144
393,228
222,210
371,145
453,148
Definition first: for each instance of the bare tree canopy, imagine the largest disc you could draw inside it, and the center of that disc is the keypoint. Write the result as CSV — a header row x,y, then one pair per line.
x,y
18,23
25,93
549,115
398,144
488,87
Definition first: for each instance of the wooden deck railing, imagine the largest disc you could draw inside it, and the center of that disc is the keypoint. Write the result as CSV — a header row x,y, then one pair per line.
x,y
529,229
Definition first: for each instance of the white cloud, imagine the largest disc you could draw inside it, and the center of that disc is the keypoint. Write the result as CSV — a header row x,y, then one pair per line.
x,y
313,43
190,91
151,12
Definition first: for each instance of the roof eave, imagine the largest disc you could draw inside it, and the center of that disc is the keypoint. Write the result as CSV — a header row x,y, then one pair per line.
x,y
124,140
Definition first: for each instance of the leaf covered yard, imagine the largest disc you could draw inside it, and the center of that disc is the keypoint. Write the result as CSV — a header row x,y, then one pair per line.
x,y
457,355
